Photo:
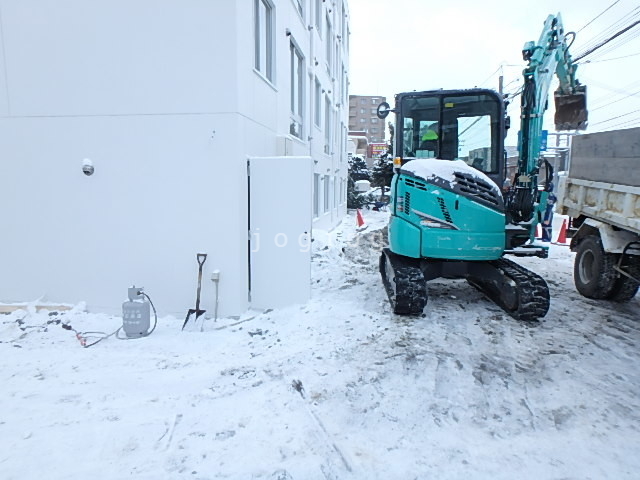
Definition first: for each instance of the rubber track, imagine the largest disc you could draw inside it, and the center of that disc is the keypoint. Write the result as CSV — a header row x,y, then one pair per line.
x,y
532,290
410,294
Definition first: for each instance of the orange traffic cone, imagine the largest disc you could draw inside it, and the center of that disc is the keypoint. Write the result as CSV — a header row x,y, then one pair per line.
x,y
359,219
562,236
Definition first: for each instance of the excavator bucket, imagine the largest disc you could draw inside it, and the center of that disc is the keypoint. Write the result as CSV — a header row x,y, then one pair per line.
x,y
571,109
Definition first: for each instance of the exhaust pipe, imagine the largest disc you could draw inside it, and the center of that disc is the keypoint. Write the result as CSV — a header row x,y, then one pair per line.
x,y
571,109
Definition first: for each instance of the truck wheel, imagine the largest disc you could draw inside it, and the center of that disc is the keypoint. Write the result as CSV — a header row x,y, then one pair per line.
x,y
625,288
593,272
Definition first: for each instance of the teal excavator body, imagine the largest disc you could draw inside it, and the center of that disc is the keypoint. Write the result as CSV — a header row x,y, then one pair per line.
x,y
452,214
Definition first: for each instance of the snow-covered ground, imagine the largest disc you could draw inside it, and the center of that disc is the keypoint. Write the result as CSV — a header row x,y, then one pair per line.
x,y
339,388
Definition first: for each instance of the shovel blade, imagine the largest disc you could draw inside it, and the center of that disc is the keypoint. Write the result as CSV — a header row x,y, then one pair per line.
x,y
191,311
571,110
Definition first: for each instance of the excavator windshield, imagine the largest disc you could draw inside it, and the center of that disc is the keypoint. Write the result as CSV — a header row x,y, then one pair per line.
x,y
452,125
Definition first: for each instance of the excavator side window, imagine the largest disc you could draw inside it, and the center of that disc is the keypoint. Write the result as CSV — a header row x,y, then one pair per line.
x,y
471,131
475,142
407,138
420,128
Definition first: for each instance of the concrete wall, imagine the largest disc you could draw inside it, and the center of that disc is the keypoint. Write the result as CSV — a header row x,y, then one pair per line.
x,y
610,157
162,97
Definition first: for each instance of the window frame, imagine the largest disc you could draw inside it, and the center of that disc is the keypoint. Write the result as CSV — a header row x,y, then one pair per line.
x,y
317,118
318,15
268,70
300,7
329,44
327,124
297,85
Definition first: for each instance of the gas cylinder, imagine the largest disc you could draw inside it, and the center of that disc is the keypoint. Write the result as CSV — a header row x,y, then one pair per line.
x,y
136,314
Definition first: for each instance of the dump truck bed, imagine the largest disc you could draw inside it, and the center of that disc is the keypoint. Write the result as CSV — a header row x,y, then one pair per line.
x,y
603,181
609,157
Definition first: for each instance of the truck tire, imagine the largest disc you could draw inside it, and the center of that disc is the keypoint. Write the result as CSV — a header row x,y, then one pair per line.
x,y
593,272
625,288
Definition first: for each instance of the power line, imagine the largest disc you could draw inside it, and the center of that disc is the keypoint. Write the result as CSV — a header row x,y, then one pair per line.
x,y
615,118
609,59
615,101
616,35
628,123
604,35
490,76
598,16
614,45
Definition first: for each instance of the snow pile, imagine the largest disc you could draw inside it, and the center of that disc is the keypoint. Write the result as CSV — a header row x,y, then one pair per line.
x,y
338,388
430,168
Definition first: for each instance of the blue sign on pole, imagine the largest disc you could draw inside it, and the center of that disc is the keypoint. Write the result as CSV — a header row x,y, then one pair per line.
x,y
543,140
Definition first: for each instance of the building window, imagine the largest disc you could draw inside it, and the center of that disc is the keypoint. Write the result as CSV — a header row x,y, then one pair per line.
x,y
347,35
363,120
374,111
374,120
319,17
326,194
346,87
328,42
363,100
297,84
318,104
316,195
334,193
264,38
327,125
373,130
374,101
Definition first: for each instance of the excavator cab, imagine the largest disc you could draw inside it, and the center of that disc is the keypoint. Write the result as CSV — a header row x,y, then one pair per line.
x,y
465,125
571,109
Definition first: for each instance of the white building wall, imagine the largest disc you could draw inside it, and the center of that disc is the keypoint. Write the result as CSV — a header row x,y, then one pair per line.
x,y
256,102
163,98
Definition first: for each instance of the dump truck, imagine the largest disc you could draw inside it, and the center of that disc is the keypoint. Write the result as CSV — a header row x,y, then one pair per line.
x,y
600,192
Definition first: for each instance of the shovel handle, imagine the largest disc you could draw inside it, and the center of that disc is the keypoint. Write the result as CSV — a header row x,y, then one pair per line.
x,y
201,257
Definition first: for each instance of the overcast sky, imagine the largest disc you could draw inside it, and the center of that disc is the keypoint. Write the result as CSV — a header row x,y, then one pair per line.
x,y
405,45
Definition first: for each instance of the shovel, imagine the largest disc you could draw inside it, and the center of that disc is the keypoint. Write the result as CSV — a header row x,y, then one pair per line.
x,y
201,257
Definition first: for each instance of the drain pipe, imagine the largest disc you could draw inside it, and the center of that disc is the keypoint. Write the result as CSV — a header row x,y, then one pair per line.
x,y
215,278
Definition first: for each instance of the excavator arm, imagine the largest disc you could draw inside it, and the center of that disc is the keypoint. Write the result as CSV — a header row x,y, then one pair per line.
x,y
547,58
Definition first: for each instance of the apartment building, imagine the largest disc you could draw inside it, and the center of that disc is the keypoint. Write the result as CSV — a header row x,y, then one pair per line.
x,y
139,134
363,118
